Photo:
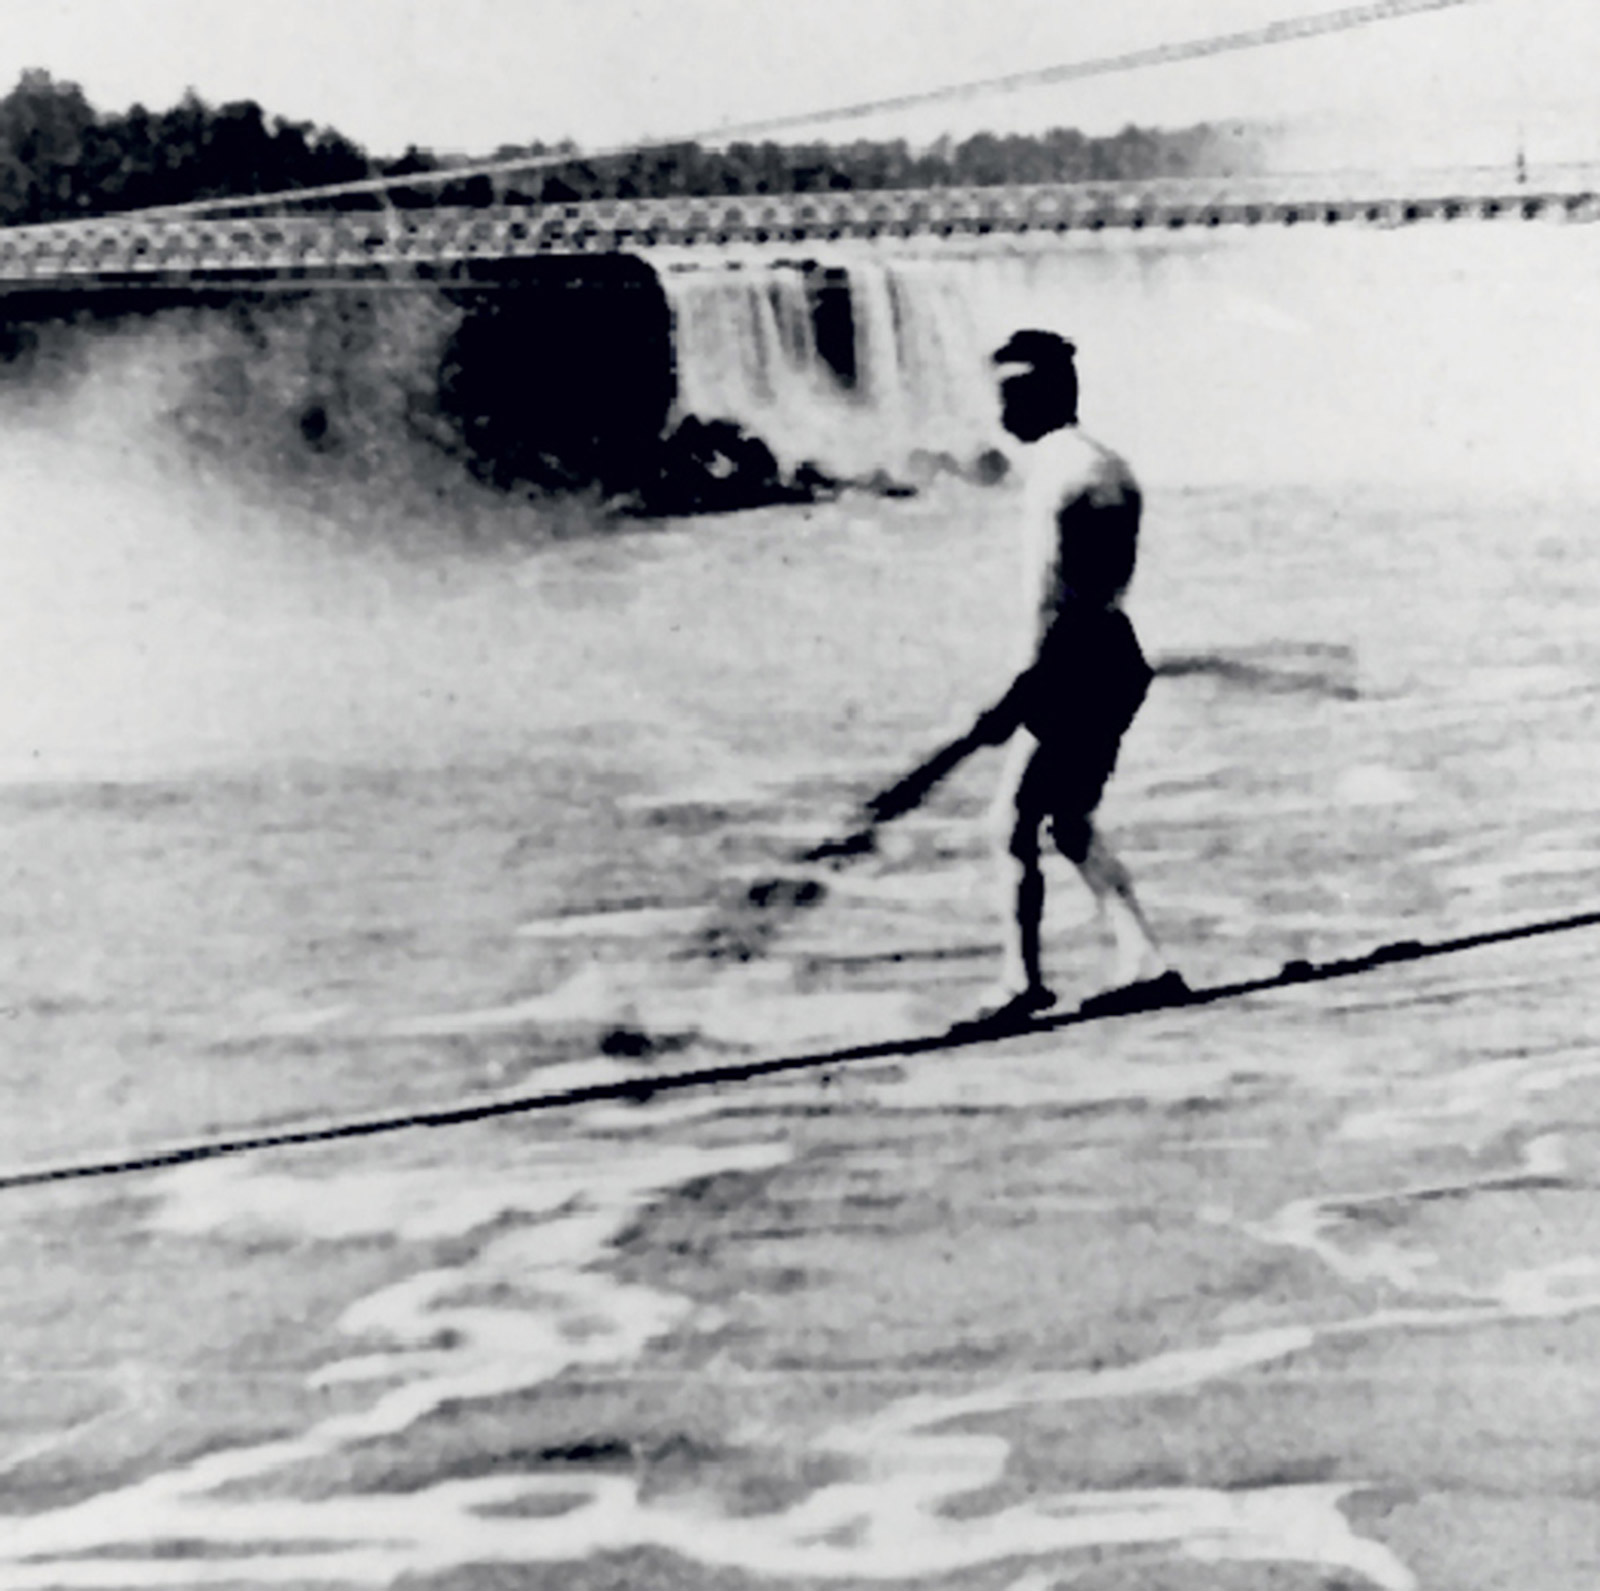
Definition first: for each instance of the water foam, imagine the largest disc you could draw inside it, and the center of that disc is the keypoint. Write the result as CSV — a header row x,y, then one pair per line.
x,y
556,1307
577,1197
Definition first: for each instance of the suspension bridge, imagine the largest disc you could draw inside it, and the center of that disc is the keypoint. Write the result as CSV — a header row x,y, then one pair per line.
x,y
437,244
272,239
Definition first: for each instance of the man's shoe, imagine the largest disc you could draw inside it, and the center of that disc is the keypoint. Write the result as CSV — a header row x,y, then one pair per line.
x,y
1148,994
1009,1013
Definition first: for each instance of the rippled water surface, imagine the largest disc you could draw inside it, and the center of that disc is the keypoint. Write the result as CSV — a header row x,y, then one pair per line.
x,y
1378,724
1301,1291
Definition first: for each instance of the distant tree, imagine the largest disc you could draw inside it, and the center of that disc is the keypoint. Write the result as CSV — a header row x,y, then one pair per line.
x,y
979,161
412,163
44,126
316,157
59,158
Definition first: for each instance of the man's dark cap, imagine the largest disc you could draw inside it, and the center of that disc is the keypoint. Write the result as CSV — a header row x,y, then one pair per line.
x,y
1044,350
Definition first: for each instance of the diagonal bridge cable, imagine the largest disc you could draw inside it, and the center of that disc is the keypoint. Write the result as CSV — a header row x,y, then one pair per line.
x,y
642,1087
1287,30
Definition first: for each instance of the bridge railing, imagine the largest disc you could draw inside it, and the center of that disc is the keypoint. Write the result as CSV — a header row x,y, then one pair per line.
x,y
430,243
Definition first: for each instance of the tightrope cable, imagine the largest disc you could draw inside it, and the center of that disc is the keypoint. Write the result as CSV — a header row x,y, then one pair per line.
x,y
642,1087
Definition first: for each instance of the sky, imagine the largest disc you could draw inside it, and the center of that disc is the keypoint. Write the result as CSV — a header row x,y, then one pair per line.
x,y
469,75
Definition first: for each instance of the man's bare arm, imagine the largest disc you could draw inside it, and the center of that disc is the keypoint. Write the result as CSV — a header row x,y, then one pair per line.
x,y
992,727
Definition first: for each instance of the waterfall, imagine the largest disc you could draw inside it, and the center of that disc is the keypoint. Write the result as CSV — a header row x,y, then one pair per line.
x,y
924,367
1268,355
745,347
911,379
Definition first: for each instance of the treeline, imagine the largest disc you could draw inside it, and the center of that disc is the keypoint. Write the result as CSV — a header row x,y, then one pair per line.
x,y
60,159
1061,155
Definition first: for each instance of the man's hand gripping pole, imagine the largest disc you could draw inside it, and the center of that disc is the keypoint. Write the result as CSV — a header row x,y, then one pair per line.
x,y
906,794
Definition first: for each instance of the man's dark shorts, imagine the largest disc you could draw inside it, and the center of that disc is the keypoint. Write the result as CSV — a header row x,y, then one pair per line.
x,y
1078,701
1066,790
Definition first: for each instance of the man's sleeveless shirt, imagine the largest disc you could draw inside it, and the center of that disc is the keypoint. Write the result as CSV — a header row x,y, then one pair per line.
x,y
1087,676
1074,489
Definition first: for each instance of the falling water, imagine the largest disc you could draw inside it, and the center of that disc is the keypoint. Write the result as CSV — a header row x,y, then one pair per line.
x,y
747,350
1416,355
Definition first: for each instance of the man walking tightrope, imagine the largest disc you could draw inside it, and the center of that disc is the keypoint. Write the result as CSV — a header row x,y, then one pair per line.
x,y
1068,709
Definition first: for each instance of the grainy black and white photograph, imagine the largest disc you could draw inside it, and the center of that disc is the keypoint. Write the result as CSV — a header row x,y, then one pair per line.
x,y
800,795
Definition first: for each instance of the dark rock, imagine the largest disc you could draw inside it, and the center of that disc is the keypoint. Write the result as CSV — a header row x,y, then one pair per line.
x,y
715,466
990,467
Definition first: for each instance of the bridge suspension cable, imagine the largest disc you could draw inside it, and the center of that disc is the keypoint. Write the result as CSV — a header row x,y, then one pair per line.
x,y
1287,30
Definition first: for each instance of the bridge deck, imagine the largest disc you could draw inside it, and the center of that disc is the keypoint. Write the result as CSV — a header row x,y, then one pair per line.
x,y
440,243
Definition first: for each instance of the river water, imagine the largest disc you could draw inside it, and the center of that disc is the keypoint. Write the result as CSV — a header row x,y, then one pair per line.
x,y
301,819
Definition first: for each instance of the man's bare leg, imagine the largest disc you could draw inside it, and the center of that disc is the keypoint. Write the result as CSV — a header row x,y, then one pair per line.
x,y
1137,957
1023,913
1022,993
1022,990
